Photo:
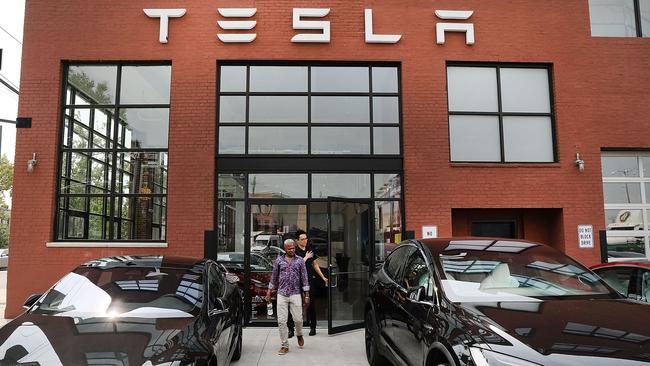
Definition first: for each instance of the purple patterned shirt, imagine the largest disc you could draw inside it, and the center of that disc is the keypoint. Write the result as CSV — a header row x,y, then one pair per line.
x,y
287,277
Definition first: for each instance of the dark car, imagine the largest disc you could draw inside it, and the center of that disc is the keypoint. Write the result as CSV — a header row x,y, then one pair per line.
x,y
130,310
631,279
260,276
498,302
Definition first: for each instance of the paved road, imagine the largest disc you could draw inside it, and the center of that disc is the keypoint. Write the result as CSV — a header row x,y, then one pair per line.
x,y
261,345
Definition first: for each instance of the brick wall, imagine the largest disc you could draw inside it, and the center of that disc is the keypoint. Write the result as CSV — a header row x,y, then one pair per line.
x,y
600,91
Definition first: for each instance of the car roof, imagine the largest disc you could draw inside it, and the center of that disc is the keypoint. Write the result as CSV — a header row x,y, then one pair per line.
x,y
633,263
158,261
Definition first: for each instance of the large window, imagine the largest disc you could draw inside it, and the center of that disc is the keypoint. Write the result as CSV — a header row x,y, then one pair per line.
x,y
309,110
620,18
113,153
500,113
626,189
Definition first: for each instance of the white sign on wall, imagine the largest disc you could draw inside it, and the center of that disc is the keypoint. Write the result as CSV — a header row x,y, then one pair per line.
x,y
429,232
585,236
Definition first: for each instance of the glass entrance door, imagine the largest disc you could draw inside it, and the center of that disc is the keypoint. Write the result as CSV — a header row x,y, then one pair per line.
x,y
349,260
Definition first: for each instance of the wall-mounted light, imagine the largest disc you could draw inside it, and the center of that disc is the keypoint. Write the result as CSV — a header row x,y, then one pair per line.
x,y
580,163
31,163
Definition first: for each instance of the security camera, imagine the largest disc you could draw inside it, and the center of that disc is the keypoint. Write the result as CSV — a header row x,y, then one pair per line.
x,y
31,163
580,163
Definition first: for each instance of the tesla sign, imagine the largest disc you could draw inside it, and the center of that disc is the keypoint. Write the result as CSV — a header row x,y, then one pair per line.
x,y
241,20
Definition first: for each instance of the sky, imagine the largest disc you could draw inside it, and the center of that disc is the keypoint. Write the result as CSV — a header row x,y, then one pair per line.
x,y
11,35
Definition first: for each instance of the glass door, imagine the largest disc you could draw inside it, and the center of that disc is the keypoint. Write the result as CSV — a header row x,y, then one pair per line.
x,y
349,261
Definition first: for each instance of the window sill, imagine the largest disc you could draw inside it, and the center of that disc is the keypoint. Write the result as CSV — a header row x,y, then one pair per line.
x,y
506,165
100,244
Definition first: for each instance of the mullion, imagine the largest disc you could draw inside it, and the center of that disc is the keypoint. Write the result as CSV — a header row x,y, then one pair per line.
x,y
500,111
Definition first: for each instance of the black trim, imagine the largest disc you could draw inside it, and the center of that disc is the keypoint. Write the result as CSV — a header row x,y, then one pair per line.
x,y
313,164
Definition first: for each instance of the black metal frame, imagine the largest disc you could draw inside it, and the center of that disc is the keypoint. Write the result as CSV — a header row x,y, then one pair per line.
x,y
303,163
112,149
499,113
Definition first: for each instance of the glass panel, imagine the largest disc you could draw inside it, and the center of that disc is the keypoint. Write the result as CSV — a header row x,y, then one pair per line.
x,y
347,306
318,215
278,79
472,89
99,205
143,173
231,185
645,161
96,230
102,120
145,84
528,139
340,109
78,173
620,166
622,192
79,136
474,138
270,225
232,79
96,82
644,9
340,185
230,229
612,18
384,80
617,278
386,140
66,132
137,219
80,115
277,140
75,227
624,219
388,186
388,227
339,79
385,110
145,127
277,185
280,109
525,90
232,109
232,140
625,246
100,176
340,140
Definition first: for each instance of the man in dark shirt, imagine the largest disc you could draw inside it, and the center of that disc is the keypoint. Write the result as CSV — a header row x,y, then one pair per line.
x,y
306,251
289,278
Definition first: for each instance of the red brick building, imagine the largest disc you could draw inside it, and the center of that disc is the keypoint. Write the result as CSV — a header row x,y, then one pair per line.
x,y
217,140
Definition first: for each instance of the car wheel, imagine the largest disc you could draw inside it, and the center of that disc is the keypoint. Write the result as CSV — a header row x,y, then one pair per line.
x,y
237,354
371,334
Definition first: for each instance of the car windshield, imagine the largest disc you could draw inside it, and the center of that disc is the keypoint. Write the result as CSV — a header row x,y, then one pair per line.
x,y
509,270
126,292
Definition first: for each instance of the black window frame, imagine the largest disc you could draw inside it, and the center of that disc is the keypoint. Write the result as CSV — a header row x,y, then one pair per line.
x,y
113,221
637,22
500,113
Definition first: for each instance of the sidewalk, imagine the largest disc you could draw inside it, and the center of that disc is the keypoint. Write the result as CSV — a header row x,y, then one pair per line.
x,y
260,347
3,297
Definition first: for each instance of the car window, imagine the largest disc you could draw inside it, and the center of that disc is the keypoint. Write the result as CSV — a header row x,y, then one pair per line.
x,y
618,278
645,286
395,262
216,282
416,273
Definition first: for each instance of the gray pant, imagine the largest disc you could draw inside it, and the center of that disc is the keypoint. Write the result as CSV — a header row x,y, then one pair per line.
x,y
293,303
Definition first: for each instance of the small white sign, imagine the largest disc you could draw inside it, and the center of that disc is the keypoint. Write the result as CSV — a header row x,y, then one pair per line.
x,y
585,236
429,232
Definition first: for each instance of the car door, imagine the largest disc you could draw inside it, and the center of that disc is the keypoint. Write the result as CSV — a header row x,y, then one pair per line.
x,y
219,314
413,308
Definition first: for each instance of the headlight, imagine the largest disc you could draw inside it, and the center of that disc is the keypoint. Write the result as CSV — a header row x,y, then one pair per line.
x,y
483,357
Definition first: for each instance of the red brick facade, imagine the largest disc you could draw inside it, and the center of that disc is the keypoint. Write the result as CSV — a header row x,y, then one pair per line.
x,y
600,90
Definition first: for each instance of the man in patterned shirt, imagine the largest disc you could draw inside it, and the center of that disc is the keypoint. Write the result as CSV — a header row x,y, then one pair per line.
x,y
289,278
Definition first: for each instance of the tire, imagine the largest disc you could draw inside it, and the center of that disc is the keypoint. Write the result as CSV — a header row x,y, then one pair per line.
x,y
237,354
371,341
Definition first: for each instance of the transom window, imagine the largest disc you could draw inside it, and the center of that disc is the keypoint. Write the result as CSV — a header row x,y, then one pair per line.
x,y
626,189
500,113
309,110
619,18
113,153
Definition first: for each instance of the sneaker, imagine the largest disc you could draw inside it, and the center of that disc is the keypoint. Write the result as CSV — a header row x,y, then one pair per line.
x,y
312,331
301,341
290,333
283,350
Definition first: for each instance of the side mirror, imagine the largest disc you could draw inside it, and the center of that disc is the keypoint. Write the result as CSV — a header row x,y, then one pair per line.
x,y
219,308
31,300
416,294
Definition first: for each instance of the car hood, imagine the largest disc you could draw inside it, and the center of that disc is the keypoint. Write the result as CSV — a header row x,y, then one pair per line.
x,y
62,340
566,332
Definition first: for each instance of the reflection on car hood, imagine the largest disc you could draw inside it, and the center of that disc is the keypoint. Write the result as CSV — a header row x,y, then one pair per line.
x,y
60,340
567,332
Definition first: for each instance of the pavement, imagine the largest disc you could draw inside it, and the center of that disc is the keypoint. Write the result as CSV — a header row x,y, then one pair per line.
x,y
3,297
260,347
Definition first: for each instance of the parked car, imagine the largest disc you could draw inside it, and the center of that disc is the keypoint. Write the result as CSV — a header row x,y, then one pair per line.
x,y
497,302
260,276
130,310
631,279
4,258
